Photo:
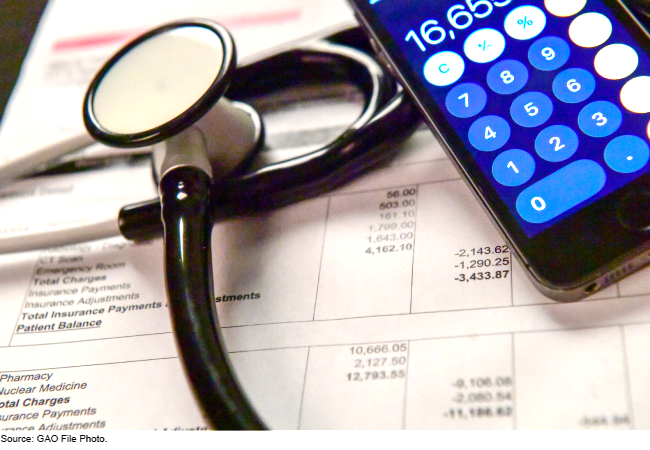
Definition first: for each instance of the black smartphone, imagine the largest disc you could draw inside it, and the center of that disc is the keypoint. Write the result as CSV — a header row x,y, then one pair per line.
x,y
544,107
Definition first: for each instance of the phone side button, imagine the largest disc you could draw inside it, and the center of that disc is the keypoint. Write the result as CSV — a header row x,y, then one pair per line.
x,y
633,210
561,191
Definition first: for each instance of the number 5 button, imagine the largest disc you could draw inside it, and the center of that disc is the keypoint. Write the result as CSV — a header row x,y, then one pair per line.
x,y
531,109
513,167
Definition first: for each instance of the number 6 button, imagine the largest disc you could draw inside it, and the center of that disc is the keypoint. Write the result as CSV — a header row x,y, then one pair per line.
x,y
574,85
531,109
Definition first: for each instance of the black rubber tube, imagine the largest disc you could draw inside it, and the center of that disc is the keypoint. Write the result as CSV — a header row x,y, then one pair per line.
x,y
188,277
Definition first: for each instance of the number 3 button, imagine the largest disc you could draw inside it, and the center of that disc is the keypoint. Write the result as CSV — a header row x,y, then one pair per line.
x,y
513,167
600,119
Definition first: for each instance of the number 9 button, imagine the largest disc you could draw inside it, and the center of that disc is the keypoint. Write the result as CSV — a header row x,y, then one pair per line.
x,y
507,77
548,53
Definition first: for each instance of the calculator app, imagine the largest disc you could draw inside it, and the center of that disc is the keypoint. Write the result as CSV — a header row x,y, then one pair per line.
x,y
552,98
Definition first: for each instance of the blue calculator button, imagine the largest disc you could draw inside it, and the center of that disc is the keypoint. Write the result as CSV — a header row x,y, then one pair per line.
x,y
489,133
549,53
466,100
531,109
556,143
561,191
507,77
600,119
627,154
513,167
574,85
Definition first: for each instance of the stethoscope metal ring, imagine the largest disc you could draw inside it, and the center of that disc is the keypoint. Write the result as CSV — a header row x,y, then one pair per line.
x,y
182,121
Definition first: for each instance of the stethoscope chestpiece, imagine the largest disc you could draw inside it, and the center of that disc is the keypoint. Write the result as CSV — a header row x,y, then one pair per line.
x,y
169,83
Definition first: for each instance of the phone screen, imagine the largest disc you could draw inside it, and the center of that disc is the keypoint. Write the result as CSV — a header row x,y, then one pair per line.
x,y
550,98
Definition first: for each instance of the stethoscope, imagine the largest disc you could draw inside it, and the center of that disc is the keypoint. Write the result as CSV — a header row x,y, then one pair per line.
x,y
165,89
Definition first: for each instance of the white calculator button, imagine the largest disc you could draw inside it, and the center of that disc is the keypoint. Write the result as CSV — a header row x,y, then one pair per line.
x,y
564,8
444,68
616,61
525,22
635,95
590,30
484,45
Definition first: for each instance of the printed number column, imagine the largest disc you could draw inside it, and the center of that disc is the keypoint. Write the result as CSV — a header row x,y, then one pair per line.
x,y
460,260
461,383
355,386
368,254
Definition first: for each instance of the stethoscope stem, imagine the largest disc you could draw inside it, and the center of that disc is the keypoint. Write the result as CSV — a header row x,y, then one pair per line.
x,y
185,193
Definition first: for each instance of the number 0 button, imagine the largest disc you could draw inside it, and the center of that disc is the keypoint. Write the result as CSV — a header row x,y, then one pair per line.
x,y
599,119
489,133
466,100
531,109
513,167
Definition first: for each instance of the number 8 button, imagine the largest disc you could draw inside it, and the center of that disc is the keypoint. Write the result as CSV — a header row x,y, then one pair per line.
x,y
507,77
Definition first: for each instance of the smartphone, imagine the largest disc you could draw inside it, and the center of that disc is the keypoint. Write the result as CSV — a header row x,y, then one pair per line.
x,y
544,107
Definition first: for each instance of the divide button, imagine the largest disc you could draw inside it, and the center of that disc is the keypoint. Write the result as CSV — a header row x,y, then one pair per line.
x,y
561,191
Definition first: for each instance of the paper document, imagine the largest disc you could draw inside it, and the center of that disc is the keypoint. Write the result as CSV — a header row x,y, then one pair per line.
x,y
390,303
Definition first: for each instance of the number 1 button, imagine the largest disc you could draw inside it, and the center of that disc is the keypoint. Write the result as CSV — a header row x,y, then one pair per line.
x,y
466,100
513,167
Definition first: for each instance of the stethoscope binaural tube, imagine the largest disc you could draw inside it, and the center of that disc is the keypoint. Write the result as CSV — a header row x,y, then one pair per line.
x,y
164,88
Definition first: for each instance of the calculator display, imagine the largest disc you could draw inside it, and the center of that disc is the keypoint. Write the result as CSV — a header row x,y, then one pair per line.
x,y
551,98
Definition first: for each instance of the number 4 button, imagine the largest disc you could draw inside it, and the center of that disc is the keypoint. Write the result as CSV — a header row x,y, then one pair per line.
x,y
489,133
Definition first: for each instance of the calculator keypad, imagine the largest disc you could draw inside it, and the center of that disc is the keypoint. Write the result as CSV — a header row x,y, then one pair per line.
x,y
570,180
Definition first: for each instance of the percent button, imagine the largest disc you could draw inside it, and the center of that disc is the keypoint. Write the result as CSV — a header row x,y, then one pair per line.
x,y
525,22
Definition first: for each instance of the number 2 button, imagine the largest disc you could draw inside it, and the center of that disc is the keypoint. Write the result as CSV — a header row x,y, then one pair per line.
x,y
466,100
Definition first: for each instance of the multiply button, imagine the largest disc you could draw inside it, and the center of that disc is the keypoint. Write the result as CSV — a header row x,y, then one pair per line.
x,y
561,191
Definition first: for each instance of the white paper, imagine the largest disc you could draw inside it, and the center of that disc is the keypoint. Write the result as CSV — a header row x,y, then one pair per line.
x,y
342,312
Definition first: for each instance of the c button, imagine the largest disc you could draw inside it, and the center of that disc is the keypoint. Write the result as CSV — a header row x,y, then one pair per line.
x,y
444,68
